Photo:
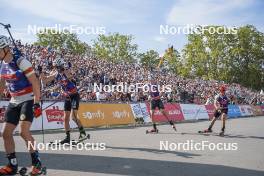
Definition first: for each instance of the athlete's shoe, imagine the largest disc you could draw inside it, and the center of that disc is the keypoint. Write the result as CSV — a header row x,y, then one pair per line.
x,y
152,131
8,170
222,133
206,131
83,136
67,140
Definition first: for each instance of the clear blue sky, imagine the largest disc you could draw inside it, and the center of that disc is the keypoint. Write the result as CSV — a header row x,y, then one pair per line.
x,y
141,18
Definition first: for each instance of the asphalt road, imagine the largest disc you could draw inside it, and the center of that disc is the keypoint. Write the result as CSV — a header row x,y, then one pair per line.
x,y
129,151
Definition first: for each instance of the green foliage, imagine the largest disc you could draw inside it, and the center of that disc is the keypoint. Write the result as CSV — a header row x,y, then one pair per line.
x,y
227,57
115,47
59,41
149,59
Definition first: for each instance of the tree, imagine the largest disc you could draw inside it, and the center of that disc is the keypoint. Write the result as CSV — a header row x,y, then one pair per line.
x,y
233,57
172,60
115,47
149,59
61,40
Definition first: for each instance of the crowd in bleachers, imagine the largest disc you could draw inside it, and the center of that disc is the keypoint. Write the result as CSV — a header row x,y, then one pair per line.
x,y
87,70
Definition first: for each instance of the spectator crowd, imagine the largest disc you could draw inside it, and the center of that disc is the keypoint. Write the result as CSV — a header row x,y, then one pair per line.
x,y
88,70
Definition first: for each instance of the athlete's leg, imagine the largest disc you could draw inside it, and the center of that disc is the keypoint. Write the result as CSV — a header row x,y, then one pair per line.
x,y
11,167
217,114
75,118
212,124
224,117
67,115
28,138
67,124
152,110
8,137
11,120
165,113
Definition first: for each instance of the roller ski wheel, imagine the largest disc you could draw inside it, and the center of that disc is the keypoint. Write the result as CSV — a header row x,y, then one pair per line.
x,y
23,171
83,137
205,131
222,134
35,171
153,131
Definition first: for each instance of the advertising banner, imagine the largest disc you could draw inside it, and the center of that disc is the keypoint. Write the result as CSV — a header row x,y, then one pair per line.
x,y
233,111
257,111
145,112
262,107
53,117
136,109
92,115
210,110
173,110
194,112
246,110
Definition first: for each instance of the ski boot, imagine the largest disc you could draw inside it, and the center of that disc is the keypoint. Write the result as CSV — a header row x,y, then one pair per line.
x,y
152,131
8,170
206,131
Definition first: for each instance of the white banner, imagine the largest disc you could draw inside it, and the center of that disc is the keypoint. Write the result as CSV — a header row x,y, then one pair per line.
x,y
246,110
194,112
136,110
145,112
53,117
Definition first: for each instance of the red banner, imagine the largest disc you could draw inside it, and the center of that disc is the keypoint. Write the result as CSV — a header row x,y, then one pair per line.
x,y
210,110
262,107
55,115
257,111
173,110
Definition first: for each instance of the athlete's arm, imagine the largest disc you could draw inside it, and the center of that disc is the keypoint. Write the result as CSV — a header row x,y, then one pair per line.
x,y
216,103
48,79
36,87
27,69
2,86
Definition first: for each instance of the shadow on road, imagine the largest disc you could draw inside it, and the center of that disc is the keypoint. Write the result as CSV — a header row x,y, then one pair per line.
x,y
130,166
156,151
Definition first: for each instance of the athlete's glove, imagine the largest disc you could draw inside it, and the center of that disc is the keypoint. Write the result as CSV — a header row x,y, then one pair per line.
x,y
37,110
66,95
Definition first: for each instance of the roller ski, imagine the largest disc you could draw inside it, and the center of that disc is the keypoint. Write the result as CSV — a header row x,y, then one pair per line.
x,y
61,142
205,131
35,171
153,131
8,170
83,137
222,134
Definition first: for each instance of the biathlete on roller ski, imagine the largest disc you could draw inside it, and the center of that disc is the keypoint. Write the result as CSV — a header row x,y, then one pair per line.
x,y
18,75
62,77
156,102
221,109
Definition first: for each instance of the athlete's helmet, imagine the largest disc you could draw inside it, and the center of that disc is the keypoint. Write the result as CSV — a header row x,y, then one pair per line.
x,y
222,89
58,62
4,41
